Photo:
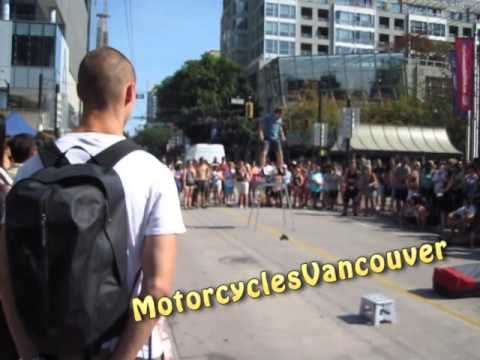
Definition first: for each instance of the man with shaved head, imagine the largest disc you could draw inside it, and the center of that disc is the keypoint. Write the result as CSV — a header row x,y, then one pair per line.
x,y
107,88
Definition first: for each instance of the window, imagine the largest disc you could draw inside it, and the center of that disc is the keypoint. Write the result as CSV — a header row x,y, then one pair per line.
x,y
348,18
456,16
307,13
307,31
271,46
33,51
396,8
306,49
399,24
287,29
420,27
355,37
33,45
341,50
345,35
365,38
23,11
453,31
271,10
322,33
322,50
382,5
467,32
437,29
287,11
323,15
424,10
271,28
384,22
287,48
360,3
365,20
345,18
384,38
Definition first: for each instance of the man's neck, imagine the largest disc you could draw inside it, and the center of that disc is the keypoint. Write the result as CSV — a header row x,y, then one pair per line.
x,y
105,122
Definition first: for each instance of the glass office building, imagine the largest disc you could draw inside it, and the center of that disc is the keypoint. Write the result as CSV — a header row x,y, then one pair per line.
x,y
342,76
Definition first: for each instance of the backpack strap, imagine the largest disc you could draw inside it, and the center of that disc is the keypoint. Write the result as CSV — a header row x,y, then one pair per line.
x,y
51,155
113,154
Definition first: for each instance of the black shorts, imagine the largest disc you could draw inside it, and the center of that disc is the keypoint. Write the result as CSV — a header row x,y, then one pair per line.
x,y
401,194
333,194
202,186
387,192
350,194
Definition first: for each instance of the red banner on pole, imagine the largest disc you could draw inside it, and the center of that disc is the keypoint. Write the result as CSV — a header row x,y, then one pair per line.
x,y
464,56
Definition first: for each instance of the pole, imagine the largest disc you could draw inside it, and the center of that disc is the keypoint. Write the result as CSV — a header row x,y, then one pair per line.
x,y
476,94
40,91
320,105
348,150
469,132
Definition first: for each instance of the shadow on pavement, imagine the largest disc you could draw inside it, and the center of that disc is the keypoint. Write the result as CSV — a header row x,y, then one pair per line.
x,y
353,319
427,293
432,295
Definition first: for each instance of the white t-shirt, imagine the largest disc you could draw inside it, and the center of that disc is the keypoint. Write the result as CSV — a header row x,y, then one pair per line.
x,y
151,197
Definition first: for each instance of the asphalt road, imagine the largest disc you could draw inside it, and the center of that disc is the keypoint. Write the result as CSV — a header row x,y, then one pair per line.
x,y
321,322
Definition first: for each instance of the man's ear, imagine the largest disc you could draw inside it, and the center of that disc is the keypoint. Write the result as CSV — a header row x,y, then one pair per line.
x,y
130,94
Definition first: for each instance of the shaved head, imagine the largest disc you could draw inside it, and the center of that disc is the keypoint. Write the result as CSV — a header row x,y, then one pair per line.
x,y
103,77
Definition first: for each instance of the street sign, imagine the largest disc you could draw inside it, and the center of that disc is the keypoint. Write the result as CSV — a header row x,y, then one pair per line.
x,y
237,101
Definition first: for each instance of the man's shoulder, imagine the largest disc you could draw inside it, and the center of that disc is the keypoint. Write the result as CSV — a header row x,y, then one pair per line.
x,y
142,162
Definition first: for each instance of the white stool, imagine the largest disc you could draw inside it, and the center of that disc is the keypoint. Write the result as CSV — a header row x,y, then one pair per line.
x,y
378,308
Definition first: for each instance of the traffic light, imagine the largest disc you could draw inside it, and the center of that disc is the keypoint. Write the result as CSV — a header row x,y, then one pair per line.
x,y
249,109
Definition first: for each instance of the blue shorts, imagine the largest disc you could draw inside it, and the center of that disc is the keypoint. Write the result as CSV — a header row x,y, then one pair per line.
x,y
274,144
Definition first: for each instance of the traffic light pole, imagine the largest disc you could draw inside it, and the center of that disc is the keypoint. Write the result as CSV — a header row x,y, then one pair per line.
x,y
475,119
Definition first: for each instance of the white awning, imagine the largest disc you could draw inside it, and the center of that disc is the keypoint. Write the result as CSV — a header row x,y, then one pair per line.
x,y
399,139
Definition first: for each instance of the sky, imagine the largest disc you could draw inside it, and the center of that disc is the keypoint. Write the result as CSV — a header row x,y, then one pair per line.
x,y
166,33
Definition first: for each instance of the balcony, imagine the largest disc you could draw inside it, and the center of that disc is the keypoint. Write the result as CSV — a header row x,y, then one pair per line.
x,y
307,14
322,33
323,15
306,32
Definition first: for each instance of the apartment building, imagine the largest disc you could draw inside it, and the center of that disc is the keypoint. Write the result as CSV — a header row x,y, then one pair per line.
x,y
257,31
43,43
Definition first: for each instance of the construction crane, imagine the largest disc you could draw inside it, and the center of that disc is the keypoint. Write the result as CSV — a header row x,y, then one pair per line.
x,y
102,26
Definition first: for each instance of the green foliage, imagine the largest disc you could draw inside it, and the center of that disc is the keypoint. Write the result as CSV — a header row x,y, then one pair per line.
x,y
436,111
303,113
154,139
201,89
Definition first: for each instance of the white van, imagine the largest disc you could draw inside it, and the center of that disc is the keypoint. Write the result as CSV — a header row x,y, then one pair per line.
x,y
206,151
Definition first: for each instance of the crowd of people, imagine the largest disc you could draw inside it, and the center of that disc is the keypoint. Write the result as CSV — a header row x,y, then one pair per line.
x,y
430,193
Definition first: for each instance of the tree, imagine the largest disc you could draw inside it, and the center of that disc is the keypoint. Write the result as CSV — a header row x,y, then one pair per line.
x,y
197,97
436,110
154,139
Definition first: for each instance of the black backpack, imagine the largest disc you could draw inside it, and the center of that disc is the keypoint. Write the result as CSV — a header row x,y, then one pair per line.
x,y
66,232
